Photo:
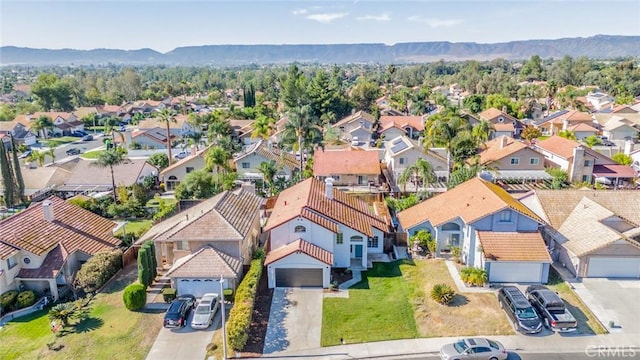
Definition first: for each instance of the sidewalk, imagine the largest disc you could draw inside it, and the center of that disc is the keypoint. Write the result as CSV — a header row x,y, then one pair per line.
x,y
514,343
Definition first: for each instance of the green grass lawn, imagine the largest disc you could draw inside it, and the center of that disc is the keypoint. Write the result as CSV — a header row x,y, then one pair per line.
x,y
138,227
110,331
587,322
378,308
53,142
92,154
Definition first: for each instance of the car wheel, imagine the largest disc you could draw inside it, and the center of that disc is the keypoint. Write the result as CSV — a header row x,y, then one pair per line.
x,y
493,358
546,324
515,325
500,304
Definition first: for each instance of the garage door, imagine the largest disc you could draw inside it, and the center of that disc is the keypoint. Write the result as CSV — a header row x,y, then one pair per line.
x,y
198,287
515,272
298,277
614,267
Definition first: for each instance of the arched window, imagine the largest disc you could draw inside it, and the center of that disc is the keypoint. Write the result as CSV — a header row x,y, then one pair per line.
x,y
356,238
451,227
300,229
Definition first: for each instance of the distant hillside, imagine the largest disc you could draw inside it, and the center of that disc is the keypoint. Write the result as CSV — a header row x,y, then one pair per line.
x,y
600,46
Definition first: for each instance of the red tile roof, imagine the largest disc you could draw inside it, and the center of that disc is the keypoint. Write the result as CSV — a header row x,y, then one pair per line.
x,y
513,246
207,262
297,247
499,148
559,146
73,227
339,162
387,122
308,197
614,170
7,251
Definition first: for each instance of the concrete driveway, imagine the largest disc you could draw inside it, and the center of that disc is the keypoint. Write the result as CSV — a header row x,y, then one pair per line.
x,y
183,343
295,320
611,299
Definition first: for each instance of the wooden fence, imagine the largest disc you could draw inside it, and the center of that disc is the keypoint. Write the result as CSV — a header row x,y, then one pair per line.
x,y
130,256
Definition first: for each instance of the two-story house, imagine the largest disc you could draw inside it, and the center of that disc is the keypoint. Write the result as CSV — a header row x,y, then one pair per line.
x,y
581,163
21,134
173,174
402,153
620,128
64,123
314,227
512,159
393,126
347,167
212,239
42,247
248,162
493,230
357,126
503,123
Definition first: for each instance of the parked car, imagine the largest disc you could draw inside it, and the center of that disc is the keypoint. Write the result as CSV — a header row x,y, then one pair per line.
x,y
79,133
87,138
474,348
181,155
522,315
355,141
205,311
551,309
178,312
73,151
608,143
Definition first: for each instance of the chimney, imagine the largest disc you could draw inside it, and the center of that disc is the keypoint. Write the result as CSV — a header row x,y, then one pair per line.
x,y
504,140
47,210
628,147
194,150
504,109
565,124
329,187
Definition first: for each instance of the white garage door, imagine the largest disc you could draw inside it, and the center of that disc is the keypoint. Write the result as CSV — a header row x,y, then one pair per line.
x,y
614,267
198,287
515,272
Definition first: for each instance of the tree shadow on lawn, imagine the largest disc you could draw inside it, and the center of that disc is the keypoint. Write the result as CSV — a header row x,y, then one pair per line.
x,y
459,300
382,270
88,324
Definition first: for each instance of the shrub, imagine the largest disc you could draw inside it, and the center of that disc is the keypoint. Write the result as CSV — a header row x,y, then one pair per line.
x,y
134,296
7,300
25,299
98,270
168,294
229,295
240,315
442,293
473,276
455,251
144,272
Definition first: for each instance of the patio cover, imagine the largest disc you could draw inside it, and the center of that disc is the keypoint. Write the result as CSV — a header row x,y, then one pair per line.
x,y
613,171
522,174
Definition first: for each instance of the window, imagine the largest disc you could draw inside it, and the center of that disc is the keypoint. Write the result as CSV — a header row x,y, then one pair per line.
x,y
182,245
500,119
361,180
300,229
336,177
585,178
339,238
505,216
373,242
587,163
11,262
189,169
534,161
454,240
246,165
356,238
402,161
26,260
515,161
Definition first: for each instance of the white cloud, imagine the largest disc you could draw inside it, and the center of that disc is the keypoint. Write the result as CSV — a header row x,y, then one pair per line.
x,y
379,18
435,23
299,11
326,18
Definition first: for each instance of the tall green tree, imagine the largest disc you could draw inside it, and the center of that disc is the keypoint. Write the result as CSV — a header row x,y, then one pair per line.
x,y
269,169
198,184
483,131
7,177
42,124
263,127
110,159
302,132
17,172
52,93
442,130
167,116
294,89
420,170
37,156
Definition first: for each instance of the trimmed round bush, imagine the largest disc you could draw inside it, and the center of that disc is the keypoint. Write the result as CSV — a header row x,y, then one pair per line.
x,y
8,299
25,299
134,296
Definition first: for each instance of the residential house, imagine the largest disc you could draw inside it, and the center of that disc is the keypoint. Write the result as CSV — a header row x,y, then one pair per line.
x,y
393,126
145,107
503,123
512,159
383,102
314,227
493,230
582,130
348,167
37,179
402,153
620,128
358,125
85,111
550,125
212,239
64,123
180,128
591,233
107,110
154,138
21,134
47,243
564,120
599,100
248,162
173,174
241,131
581,163
87,178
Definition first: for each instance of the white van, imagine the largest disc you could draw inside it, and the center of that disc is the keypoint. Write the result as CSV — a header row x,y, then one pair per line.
x,y
355,141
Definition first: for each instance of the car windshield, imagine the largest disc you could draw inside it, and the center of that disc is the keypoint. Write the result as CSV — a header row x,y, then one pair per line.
x,y
526,313
203,310
493,344
460,346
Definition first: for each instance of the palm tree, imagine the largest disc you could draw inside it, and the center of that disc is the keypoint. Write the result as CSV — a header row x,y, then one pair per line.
x,y
218,158
483,131
52,154
167,116
38,156
442,130
269,170
64,312
302,132
567,134
263,127
111,158
592,140
42,124
421,169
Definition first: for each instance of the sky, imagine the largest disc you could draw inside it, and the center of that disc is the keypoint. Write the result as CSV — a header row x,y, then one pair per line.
x,y
163,25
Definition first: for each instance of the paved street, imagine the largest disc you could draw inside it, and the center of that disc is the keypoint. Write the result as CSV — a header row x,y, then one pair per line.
x,y
61,151
537,356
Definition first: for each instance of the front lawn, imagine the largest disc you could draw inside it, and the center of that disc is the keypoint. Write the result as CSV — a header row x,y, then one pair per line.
x,y
54,142
469,314
109,332
137,227
377,309
91,154
587,322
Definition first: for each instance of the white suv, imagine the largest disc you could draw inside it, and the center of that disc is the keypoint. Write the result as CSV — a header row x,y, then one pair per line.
x,y
205,311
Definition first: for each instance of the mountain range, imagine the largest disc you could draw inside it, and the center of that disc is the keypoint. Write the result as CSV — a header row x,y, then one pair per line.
x,y
599,46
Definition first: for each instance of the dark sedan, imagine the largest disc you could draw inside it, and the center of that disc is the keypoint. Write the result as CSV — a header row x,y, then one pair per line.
x,y
179,310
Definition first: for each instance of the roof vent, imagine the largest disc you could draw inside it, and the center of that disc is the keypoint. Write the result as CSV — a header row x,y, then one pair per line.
x,y
47,209
329,187
485,175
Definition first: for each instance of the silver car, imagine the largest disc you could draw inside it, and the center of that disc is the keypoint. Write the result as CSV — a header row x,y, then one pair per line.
x,y
205,311
474,348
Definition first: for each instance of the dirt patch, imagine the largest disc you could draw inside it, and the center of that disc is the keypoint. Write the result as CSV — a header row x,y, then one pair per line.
x,y
341,275
260,319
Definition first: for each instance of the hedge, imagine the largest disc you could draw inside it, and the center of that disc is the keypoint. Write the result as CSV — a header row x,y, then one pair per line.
x,y
98,270
7,300
240,315
25,299
168,294
134,296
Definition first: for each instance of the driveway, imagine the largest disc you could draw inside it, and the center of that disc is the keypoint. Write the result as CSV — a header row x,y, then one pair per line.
x,y
295,320
183,343
611,299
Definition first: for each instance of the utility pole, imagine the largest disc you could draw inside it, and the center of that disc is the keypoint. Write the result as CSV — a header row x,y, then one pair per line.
x,y
224,327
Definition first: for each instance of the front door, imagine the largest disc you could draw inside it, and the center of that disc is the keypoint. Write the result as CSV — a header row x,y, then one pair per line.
x,y
358,251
